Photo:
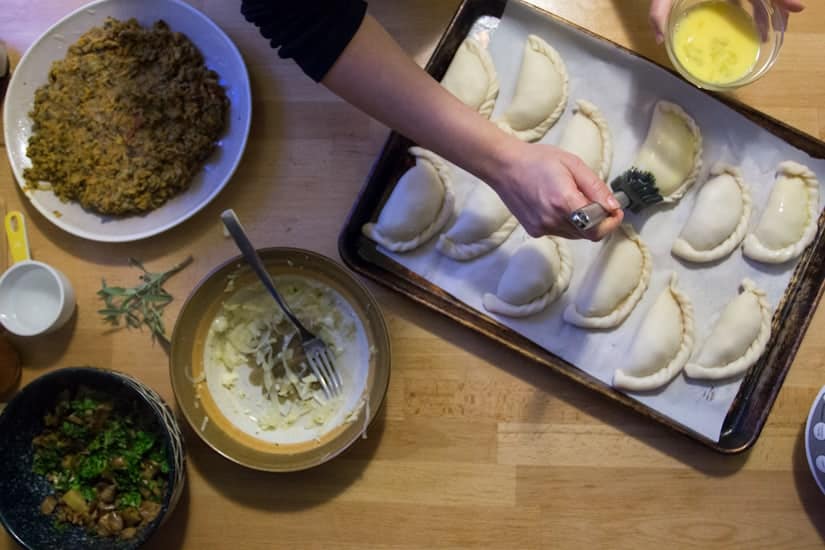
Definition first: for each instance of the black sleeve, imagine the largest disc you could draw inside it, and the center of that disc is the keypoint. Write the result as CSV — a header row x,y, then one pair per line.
x,y
312,32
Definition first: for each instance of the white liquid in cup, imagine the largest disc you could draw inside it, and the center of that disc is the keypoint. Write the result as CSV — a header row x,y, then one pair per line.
x,y
37,300
34,299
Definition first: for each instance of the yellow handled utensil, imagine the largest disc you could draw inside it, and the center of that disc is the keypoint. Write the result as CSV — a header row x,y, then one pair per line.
x,y
35,298
18,239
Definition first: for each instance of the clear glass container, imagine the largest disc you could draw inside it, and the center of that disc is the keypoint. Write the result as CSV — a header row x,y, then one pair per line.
x,y
769,22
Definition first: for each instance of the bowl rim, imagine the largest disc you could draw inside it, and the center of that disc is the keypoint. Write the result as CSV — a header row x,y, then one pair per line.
x,y
382,331
730,86
127,381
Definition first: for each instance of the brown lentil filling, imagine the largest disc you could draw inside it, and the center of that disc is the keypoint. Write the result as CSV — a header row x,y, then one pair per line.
x,y
126,119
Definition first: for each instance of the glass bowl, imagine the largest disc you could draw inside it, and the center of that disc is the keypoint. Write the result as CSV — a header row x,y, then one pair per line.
x,y
769,22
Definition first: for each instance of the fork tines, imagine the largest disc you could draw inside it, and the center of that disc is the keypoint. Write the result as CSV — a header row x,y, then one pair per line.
x,y
323,367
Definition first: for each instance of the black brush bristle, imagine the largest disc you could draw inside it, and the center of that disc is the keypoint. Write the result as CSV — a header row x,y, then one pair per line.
x,y
640,188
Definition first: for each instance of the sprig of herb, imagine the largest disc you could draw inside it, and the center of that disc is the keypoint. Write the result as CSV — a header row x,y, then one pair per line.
x,y
140,305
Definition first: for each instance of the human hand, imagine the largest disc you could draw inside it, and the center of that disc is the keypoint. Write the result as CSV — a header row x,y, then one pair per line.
x,y
542,185
659,10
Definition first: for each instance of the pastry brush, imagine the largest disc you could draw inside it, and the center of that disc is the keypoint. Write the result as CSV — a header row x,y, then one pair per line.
x,y
634,189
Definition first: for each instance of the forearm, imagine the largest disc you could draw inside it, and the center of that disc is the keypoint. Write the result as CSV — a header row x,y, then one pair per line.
x,y
377,76
355,58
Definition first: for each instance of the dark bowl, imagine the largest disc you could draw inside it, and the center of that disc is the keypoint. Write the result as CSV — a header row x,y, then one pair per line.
x,y
22,491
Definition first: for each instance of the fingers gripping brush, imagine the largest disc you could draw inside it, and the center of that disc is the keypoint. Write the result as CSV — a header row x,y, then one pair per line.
x,y
634,189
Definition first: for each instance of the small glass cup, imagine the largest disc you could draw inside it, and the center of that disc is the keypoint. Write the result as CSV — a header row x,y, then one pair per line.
x,y
769,22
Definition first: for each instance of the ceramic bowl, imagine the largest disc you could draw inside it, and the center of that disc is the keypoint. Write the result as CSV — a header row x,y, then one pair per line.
x,y
22,491
192,389
220,54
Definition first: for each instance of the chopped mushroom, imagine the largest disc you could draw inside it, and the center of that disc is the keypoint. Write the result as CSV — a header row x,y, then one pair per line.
x,y
149,510
111,523
48,505
150,470
131,517
106,493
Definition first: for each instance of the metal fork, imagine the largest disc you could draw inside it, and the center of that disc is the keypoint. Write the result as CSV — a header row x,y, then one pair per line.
x,y
319,356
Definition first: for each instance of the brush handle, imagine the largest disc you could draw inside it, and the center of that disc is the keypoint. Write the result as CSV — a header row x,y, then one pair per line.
x,y
588,217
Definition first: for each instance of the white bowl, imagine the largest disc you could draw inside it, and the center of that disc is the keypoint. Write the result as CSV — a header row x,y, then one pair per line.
x,y
220,55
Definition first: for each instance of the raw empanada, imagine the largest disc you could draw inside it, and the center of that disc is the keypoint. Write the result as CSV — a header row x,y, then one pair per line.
x,y
419,206
537,273
719,219
788,224
672,150
541,92
662,343
482,225
471,77
738,337
613,284
588,136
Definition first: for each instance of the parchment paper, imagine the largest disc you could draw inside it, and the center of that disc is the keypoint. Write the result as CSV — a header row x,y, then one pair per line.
x,y
625,89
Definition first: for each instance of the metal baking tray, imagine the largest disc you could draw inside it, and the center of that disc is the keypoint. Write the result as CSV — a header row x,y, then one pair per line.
x,y
749,411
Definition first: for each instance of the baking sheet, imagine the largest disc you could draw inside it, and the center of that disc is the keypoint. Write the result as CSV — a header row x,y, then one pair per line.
x,y
634,87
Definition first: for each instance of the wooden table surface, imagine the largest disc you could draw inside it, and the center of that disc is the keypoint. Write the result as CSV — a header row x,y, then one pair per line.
x,y
476,446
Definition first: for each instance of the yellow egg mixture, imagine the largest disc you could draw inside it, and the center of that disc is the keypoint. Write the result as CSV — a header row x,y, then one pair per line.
x,y
716,41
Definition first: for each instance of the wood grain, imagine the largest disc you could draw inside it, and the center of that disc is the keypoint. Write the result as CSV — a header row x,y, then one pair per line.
x,y
475,447
5,259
